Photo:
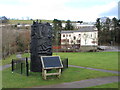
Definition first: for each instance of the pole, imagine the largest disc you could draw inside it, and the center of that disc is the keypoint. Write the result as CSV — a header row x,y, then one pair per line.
x,y
21,67
27,67
12,65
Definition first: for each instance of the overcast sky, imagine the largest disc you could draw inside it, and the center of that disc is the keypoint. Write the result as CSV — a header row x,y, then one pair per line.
x,y
85,10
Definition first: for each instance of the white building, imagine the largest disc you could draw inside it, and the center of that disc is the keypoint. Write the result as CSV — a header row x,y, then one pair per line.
x,y
79,39
77,26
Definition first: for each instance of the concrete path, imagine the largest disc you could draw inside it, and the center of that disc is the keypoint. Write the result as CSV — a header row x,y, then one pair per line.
x,y
95,69
5,66
9,65
83,83
110,48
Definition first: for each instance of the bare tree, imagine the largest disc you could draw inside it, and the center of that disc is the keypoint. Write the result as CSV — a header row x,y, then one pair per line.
x,y
14,40
85,37
8,38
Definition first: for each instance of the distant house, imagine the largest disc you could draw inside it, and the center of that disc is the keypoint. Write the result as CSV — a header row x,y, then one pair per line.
x,y
82,39
19,25
78,26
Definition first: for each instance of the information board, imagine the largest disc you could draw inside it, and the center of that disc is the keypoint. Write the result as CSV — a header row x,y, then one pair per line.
x,y
51,62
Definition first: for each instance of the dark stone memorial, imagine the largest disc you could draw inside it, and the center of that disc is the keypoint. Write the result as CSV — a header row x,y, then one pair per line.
x,y
41,44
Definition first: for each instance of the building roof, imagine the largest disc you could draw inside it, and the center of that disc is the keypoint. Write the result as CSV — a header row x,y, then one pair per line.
x,y
87,29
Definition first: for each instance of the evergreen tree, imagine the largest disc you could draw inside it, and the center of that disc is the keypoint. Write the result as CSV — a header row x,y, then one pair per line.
x,y
69,25
98,26
57,27
80,22
108,31
116,30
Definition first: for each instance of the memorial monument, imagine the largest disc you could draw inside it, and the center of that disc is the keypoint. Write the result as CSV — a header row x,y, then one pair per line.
x,y
41,44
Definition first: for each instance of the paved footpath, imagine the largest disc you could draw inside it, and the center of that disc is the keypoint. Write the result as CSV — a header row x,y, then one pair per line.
x,y
95,69
83,83
5,66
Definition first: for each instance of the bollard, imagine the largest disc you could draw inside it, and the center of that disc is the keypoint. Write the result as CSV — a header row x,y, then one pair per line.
x,y
27,67
21,67
12,65
65,63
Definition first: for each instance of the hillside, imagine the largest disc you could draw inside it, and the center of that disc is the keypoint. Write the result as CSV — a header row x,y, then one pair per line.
x,y
26,21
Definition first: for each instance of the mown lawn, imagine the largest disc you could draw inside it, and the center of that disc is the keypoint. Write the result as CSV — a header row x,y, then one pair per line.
x,y
109,85
15,80
8,59
100,60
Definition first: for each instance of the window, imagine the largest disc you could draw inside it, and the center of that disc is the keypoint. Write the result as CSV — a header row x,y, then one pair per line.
x,y
78,41
71,41
91,35
95,35
65,40
74,37
69,35
63,35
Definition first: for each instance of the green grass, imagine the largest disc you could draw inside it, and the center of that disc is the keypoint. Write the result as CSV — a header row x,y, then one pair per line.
x,y
1,80
0,62
8,59
26,55
100,60
110,85
15,80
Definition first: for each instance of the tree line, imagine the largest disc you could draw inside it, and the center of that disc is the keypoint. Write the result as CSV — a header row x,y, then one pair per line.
x,y
108,31
14,41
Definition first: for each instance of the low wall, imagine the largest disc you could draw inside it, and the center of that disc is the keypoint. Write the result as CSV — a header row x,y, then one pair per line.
x,y
88,48
81,49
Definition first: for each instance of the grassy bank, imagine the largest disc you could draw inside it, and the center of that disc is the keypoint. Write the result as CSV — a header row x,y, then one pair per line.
x,y
26,21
